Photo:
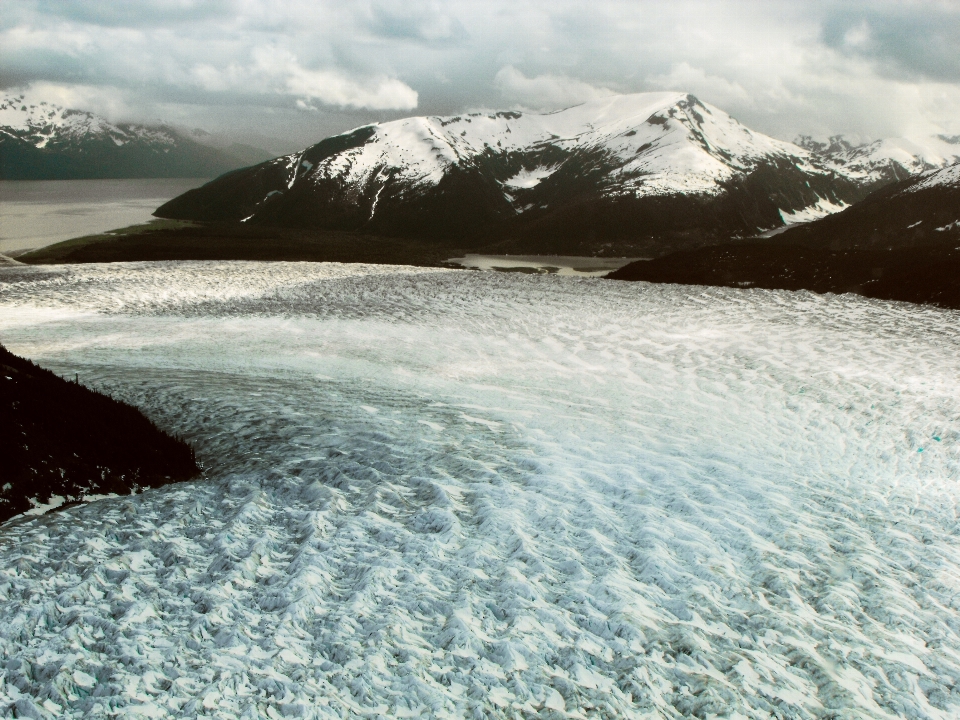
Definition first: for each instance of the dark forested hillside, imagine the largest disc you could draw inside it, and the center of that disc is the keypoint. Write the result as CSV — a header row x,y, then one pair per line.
x,y
58,438
901,243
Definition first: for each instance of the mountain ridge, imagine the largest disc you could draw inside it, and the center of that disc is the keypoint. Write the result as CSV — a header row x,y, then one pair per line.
x,y
645,164
888,159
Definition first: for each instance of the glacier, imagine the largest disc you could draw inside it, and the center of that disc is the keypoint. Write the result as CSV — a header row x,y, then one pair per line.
x,y
448,494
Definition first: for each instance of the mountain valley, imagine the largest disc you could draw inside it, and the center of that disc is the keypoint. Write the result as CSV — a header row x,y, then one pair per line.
x,y
653,175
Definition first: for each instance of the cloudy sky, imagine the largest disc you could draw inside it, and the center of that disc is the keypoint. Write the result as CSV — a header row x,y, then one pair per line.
x,y
284,73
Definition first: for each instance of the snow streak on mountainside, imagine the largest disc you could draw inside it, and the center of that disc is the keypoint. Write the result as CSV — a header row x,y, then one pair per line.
x,y
889,159
39,140
527,171
446,494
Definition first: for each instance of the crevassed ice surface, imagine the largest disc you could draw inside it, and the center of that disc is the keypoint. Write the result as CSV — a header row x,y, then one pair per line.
x,y
453,494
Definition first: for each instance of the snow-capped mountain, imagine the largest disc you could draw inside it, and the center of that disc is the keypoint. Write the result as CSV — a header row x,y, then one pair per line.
x,y
648,170
886,160
39,140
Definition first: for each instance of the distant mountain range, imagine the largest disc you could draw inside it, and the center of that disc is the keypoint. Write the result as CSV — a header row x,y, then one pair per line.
x,y
40,141
625,175
657,175
887,160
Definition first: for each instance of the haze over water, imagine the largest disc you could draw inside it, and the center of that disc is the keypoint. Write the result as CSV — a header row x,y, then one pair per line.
x,y
35,213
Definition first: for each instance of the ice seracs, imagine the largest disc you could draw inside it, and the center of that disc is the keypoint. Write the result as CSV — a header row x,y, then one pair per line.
x,y
448,494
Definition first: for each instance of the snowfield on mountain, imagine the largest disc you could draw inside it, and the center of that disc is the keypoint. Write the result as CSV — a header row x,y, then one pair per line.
x,y
948,177
658,143
447,494
44,122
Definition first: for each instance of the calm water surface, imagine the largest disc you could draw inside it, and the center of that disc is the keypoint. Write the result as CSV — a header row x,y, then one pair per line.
x,y
34,213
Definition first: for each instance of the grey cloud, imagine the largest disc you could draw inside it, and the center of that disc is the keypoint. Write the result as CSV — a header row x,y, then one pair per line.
x,y
907,40
782,67
25,67
134,14
421,21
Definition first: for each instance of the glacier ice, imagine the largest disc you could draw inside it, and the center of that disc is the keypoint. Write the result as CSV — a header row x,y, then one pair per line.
x,y
438,493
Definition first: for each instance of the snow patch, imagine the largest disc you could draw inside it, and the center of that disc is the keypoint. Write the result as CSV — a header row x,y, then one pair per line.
x,y
530,178
39,508
821,208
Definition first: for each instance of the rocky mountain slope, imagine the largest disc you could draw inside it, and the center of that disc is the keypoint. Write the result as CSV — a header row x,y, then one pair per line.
x,y
917,211
631,173
901,243
40,141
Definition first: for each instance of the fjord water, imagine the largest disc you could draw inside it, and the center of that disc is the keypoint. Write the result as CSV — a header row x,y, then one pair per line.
x,y
449,494
35,213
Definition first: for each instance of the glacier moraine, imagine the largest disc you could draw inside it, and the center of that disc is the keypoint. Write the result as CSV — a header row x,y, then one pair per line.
x,y
449,494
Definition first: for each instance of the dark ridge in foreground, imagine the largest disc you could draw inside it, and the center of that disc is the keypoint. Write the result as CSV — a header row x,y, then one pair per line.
x,y
927,274
900,243
173,240
916,212
60,438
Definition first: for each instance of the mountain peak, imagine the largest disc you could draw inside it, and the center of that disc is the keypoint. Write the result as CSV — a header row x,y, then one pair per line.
x,y
623,155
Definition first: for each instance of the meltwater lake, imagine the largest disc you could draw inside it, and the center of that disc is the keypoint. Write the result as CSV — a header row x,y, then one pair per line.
x,y
446,494
35,213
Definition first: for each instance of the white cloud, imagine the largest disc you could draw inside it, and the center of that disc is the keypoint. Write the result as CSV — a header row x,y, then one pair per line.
x,y
333,87
686,78
108,102
277,70
545,92
857,36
